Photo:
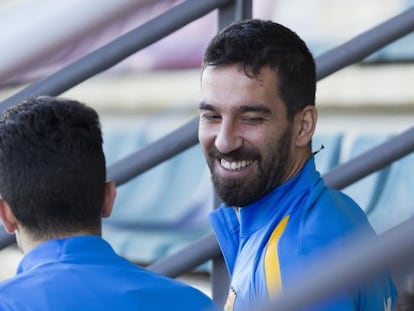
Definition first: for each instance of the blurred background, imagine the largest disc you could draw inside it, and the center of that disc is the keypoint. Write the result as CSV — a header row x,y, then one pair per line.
x,y
157,89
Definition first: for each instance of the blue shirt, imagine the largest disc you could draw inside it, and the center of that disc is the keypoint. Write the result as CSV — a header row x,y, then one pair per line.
x,y
84,273
267,245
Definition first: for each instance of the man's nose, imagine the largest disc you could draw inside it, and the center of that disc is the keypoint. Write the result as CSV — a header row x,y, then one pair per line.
x,y
228,138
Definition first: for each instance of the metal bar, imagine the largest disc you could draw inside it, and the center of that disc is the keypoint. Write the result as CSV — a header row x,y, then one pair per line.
x,y
220,280
234,11
117,50
371,160
365,44
157,152
202,250
23,47
220,277
337,271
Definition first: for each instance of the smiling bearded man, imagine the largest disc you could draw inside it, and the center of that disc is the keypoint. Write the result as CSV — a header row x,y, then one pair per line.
x,y
257,119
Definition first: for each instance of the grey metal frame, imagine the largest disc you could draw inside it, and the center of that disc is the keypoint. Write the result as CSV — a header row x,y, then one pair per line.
x,y
186,136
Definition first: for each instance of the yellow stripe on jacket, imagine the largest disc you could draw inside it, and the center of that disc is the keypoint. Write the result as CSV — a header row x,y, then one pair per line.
x,y
271,261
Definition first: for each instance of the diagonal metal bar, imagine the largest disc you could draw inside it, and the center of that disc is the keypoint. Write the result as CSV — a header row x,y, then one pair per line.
x,y
154,154
374,159
365,44
117,50
24,47
175,265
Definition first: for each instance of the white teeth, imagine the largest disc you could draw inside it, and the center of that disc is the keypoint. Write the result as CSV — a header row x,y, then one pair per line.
x,y
234,166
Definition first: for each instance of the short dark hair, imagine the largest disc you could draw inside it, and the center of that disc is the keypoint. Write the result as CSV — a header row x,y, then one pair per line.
x,y
52,166
255,44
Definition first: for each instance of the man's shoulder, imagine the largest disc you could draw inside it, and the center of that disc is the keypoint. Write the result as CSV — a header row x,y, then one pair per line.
x,y
336,207
136,286
329,218
179,294
13,289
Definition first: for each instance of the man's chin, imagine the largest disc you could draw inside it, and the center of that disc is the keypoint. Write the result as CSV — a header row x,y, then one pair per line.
x,y
236,200
234,191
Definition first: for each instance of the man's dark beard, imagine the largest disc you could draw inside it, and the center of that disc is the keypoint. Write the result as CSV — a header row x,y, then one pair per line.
x,y
271,171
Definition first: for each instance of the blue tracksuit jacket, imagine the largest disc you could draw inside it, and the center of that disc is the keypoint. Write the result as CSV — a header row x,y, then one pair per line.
x,y
271,241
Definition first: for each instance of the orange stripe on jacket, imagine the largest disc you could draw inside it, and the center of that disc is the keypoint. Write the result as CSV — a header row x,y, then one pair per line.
x,y
271,261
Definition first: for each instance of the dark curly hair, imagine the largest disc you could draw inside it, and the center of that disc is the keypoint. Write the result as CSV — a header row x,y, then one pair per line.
x,y
254,44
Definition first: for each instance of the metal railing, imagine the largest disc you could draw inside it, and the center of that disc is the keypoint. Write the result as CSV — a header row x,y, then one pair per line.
x,y
186,136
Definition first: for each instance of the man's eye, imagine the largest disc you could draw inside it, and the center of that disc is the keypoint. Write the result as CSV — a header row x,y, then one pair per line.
x,y
210,116
253,120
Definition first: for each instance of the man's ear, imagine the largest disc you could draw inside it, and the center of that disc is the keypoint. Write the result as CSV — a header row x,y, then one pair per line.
x,y
7,217
306,124
109,198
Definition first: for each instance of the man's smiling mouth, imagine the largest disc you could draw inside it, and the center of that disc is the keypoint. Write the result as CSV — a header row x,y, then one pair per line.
x,y
235,165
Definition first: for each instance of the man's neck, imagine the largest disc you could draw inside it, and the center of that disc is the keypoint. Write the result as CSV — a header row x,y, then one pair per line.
x,y
26,242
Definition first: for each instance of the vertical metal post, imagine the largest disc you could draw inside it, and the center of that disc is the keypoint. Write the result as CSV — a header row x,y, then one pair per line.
x,y
234,11
220,279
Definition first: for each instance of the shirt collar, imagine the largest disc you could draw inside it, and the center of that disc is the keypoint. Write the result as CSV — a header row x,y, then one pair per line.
x,y
67,249
256,214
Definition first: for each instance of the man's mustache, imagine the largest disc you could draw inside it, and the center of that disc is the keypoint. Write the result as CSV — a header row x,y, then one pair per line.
x,y
235,155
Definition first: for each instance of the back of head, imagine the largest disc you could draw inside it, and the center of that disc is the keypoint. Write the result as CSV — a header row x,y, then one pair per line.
x,y
255,44
52,167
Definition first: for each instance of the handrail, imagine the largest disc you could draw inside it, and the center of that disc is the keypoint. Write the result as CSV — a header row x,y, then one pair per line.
x,y
374,159
31,41
366,43
117,50
155,153
175,265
